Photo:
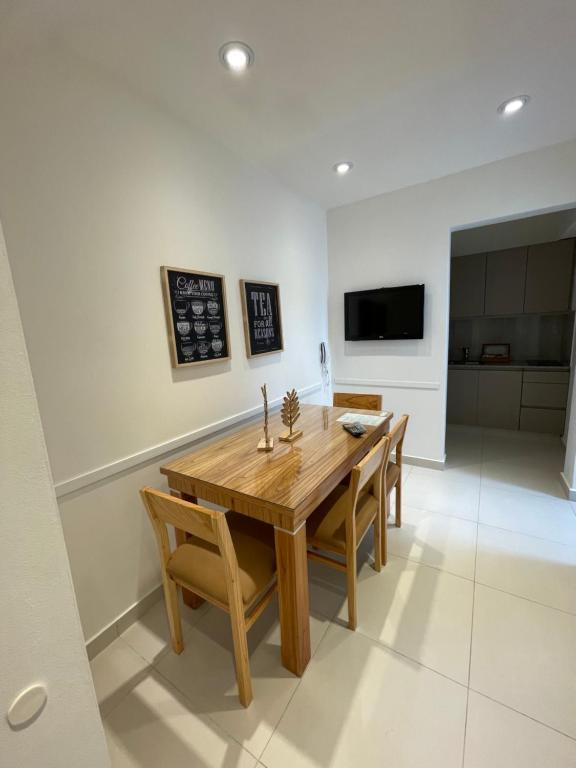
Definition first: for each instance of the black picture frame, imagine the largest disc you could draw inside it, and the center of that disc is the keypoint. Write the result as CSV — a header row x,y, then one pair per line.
x,y
196,316
262,314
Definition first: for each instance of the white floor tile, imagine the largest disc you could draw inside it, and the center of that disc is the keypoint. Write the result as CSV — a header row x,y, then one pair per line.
x,y
463,447
470,472
533,568
420,612
522,447
407,470
441,493
444,542
497,737
522,478
155,726
150,635
362,705
204,672
523,656
115,672
359,702
546,517
327,588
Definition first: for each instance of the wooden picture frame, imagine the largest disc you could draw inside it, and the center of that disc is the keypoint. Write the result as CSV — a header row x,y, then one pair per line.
x,y
196,316
262,316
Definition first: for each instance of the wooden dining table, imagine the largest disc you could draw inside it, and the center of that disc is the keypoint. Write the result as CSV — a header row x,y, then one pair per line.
x,y
281,488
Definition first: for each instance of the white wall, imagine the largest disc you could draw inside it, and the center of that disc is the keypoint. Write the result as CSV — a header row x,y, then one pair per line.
x,y
404,237
99,188
40,639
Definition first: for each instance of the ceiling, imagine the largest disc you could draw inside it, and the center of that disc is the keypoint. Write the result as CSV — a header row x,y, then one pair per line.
x,y
406,89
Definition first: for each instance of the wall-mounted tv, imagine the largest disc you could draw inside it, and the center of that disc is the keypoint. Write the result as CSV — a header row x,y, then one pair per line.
x,y
385,313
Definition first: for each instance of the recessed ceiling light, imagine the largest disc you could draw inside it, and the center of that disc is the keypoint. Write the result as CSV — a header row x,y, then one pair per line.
x,y
511,106
343,167
236,57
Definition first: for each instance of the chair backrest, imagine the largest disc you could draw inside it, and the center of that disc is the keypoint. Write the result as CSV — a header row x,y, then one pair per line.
x,y
353,400
370,467
397,436
210,525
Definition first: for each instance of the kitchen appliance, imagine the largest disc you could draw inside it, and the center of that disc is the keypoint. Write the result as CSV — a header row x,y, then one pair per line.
x,y
495,354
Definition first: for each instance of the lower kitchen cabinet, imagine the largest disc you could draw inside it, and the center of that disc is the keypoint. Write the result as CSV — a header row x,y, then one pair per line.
x,y
542,420
463,397
544,400
544,395
532,401
499,394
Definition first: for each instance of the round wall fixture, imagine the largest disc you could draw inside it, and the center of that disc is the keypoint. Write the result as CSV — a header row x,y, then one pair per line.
x,y
236,56
511,106
27,706
343,167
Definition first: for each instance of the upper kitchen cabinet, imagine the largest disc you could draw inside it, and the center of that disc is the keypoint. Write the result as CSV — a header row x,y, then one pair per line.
x,y
467,283
505,282
549,277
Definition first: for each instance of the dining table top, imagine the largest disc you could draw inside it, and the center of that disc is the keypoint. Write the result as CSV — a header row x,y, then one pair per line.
x,y
282,486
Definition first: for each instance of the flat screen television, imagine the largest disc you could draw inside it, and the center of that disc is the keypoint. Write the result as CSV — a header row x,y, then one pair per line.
x,y
385,313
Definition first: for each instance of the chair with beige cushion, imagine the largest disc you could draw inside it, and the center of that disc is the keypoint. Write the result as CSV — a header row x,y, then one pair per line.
x,y
393,475
227,559
336,528
353,400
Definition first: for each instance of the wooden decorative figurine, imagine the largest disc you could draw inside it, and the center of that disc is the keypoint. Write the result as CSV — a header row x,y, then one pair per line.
x,y
290,414
267,442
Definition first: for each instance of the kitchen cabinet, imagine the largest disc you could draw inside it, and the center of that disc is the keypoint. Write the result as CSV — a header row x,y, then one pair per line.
x,y
546,377
544,400
462,405
505,282
544,395
549,277
529,400
542,420
499,394
467,284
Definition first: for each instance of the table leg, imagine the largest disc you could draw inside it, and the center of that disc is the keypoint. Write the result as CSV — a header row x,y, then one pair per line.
x,y
292,566
189,598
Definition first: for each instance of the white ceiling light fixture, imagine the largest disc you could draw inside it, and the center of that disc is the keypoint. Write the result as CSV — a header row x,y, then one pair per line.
x,y
511,106
343,167
236,56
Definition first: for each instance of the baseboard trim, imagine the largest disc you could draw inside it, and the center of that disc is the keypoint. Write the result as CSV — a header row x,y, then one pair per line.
x,y
102,639
420,461
570,492
388,383
93,476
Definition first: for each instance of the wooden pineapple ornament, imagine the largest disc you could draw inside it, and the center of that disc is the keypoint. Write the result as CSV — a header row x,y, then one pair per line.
x,y
290,413
267,442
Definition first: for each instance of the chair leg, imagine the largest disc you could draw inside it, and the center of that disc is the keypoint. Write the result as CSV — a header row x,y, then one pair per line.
x,y
173,611
399,501
241,659
384,530
378,541
352,584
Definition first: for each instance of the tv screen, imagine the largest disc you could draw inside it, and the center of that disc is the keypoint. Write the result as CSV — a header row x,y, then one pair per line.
x,y
385,313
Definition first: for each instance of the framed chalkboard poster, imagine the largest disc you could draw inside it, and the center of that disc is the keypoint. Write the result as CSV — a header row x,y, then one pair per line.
x,y
262,317
195,306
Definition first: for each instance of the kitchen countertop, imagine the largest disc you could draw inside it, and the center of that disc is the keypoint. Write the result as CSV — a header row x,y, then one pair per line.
x,y
506,367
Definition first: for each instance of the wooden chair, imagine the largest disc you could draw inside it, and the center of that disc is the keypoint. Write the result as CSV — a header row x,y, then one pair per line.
x,y
352,400
227,559
392,477
339,524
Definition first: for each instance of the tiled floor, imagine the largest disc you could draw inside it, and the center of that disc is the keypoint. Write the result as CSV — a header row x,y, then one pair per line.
x,y
464,654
